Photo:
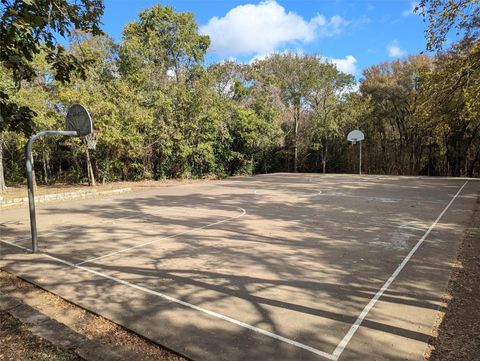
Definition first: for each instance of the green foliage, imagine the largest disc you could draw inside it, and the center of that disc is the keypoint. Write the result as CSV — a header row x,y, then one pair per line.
x,y
162,113
451,101
28,28
462,16
311,91
163,41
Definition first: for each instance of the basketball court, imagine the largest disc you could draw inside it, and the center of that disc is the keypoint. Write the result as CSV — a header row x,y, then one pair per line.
x,y
272,267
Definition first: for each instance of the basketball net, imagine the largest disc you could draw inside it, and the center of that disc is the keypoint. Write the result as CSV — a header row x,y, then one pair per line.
x,y
91,140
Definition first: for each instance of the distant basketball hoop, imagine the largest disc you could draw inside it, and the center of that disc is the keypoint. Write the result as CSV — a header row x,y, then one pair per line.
x,y
357,136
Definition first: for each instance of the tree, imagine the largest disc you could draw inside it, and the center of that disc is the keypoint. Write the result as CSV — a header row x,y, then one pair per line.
x,y
227,77
394,89
37,95
161,56
3,186
28,27
456,76
96,90
167,40
446,15
324,98
355,110
310,90
292,74
451,99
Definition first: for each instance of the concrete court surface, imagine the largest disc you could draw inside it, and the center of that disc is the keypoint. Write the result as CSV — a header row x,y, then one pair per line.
x,y
272,267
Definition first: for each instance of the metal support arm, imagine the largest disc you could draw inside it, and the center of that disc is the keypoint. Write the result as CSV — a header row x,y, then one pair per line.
x,y
30,178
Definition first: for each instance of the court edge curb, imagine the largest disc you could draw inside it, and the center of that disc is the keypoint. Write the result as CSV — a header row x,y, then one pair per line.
x,y
56,333
5,203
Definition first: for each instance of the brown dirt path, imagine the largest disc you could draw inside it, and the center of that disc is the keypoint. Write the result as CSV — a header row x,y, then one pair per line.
x,y
457,332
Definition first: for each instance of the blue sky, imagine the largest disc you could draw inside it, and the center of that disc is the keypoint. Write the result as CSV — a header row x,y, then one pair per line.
x,y
353,34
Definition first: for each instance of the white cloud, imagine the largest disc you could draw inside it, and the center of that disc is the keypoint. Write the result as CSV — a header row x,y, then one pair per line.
x,y
355,88
328,27
394,50
259,57
411,11
264,27
263,56
346,65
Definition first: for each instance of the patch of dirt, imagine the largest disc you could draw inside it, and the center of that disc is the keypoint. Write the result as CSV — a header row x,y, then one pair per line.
x,y
456,334
20,191
94,327
19,344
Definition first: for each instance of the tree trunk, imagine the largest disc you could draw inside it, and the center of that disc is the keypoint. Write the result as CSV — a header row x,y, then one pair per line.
x,y
295,157
45,172
295,140
3,186
471,166
91,176
324,157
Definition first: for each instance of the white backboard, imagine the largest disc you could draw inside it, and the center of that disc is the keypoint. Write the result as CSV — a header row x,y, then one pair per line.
x,y
355,136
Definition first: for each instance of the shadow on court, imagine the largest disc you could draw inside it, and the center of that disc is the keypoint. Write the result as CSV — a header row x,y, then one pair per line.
x,y
205,269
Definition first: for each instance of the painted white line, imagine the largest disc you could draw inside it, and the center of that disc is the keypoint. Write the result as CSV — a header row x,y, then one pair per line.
x,y
299,194
412,228
104,221
16,245
379,199
167,237
346,339
340,347
194,307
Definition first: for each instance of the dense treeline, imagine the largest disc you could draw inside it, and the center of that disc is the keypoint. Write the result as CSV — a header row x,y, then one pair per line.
x,y
162,112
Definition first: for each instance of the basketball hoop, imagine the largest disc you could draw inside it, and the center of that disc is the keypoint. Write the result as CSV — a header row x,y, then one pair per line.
x,y
357,136
91,140
78,123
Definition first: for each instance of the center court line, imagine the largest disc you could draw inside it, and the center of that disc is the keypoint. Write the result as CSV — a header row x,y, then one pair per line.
x,y
346,339
166,237
379,199
300,194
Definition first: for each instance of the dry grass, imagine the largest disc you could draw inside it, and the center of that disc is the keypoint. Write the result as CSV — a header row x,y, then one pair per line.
x,y
94,327
456,335
19,344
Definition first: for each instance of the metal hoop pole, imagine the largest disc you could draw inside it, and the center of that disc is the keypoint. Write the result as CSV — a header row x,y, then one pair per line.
x,y
360,167
30,179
